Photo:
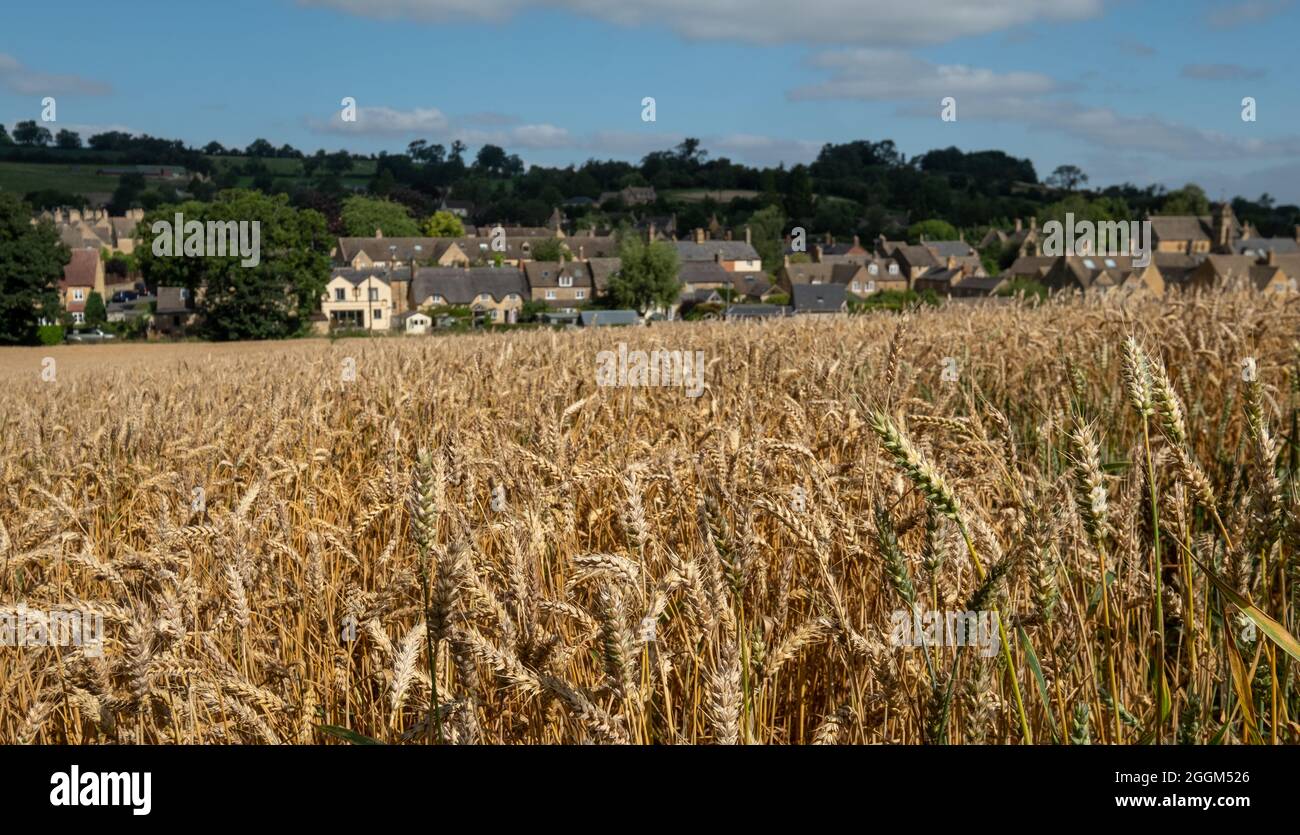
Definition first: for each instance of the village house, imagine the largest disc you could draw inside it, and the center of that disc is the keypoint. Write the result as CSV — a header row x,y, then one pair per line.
x,y
563,285
1260,247
1243,272
174,312
734,256
1024,239
819,299
1193,234
361,299
494,293
630,196
379,252
1102,274
82,275
1030,267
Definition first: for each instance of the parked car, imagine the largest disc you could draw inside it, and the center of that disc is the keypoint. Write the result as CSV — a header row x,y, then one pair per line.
x,y
90,335
124,296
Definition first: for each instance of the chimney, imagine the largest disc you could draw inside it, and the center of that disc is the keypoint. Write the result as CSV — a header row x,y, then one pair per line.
x,y
1297,232
749,241
1033,223
379,233
952,262
727,235
817,251
856,243
1019,227
961,236
786,261
1272,257
699,235
717,256
582,253
651,236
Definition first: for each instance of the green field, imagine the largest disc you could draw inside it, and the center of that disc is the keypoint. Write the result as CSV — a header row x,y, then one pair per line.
x,y
24,177
80,178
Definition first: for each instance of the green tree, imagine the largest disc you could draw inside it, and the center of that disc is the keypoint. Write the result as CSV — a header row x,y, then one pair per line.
x,y
799,194
268,301
5,139
96,313
1068,177
767,233
31,263
68,140
547,249
363,215
931,230
1188,200
444,225
30,133
647,277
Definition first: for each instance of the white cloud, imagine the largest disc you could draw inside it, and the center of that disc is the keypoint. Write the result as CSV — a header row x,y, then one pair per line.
x,y
384,121
758,21
887,74
16,78
1229,15
1220,72
1105,128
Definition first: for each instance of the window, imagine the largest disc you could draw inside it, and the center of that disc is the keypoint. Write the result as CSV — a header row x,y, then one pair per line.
x,y
550,294
484,298
893,269
339,295
1110,262
1088,262
874,269
857,287
871,286
379,314
566,281
512,297
374,294
79,318
78,295
581,294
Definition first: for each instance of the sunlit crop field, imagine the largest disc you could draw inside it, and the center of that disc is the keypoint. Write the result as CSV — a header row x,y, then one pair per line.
x,y
465,539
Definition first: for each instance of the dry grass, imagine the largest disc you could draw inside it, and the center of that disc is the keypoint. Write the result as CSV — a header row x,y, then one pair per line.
x,y
652,575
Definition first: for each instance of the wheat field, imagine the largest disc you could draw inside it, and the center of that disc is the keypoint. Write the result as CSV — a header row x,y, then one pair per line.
x,y
461,540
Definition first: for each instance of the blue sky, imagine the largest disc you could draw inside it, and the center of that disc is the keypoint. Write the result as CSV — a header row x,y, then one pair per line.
x,y
1139,91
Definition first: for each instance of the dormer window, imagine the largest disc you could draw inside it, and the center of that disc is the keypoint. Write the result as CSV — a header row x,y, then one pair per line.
x,y
874,269
1088,262
893,269
566,281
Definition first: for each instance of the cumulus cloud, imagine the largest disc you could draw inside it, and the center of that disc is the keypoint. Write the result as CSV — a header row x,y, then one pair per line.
x,y
384,121
1228,15
24,81
1103,127
887,74
759,21
1220,72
